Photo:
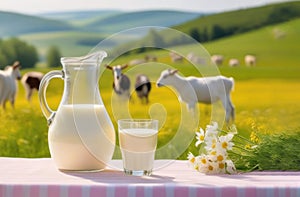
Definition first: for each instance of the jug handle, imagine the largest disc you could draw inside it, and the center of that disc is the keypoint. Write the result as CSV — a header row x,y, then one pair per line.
x,y
47,111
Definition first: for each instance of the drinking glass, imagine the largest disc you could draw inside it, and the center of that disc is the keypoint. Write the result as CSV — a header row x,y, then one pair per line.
x,y
138,140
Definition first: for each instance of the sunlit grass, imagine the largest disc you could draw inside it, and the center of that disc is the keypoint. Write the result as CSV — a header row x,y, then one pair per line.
x,y
271,104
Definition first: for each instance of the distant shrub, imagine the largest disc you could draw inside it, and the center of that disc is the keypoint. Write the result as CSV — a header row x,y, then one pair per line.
x,y
194,33
153,38
14,49
217,32
53,56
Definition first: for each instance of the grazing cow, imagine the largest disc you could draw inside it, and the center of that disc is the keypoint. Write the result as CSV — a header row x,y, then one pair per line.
x,y
250,60
234,62
31,81
121,84
143,87
203,90
217,59
8,85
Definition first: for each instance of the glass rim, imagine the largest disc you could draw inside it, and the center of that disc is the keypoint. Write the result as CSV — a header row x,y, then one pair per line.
x,y
139,120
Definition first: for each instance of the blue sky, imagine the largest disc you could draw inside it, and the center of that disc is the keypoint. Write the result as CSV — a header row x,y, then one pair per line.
x,y
41,6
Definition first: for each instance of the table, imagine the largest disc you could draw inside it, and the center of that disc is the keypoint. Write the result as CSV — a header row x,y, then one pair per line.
x,y
39,177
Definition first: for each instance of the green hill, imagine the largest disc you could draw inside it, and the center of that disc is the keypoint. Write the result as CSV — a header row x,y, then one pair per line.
x,y
213,27
128,20
80,18
115,20
235,22
88,29
13,24
75,33
70,43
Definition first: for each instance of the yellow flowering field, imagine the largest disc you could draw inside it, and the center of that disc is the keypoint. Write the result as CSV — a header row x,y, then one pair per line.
x,y
265,105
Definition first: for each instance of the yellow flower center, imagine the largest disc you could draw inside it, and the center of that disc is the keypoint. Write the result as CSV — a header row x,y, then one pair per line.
x,y
224,145
220,158
221,165
201,138
203,161
211,168
193,160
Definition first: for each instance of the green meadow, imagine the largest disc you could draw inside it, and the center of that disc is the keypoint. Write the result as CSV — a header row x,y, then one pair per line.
x,y
266,97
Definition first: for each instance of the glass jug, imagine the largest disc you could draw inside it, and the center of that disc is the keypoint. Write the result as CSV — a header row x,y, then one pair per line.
x,y
81,135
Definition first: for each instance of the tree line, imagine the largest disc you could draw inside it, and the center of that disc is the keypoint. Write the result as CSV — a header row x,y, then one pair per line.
x,y
14,49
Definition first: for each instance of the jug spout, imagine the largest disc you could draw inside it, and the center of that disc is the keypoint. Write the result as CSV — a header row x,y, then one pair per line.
x,y
95,57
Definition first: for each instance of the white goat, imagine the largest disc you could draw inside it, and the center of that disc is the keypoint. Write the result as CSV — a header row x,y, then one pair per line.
x,y
250,60
234,62
196,59
121,84
8,85
175,57
31,81
217,59
204,90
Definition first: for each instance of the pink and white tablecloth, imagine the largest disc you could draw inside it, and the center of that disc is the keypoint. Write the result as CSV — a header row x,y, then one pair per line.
x,y
39,177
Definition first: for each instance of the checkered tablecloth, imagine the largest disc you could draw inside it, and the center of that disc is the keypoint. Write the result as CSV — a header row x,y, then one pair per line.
x,y
39,177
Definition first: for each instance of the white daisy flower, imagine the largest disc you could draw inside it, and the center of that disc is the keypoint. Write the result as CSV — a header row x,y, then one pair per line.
x,y
200,136
203,163
211,143
212,168
212,129
221,167
191,158
225,141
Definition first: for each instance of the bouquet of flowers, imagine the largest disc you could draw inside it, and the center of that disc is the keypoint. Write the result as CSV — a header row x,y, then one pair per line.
x,y
213,158
269,152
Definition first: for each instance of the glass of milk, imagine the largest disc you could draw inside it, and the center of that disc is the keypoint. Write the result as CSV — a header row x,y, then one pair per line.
x,y
138,140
